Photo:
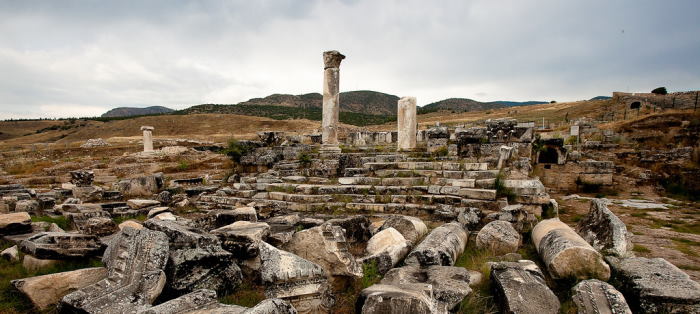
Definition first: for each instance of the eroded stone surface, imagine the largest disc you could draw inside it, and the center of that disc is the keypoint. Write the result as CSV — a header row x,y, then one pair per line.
x,y
498,237
653,285
294,279
391,299
412,228
242,238
15,223
604,231
135,260
450,284
595,296
325,245
61,245
441,247
566,254
520,288
48,290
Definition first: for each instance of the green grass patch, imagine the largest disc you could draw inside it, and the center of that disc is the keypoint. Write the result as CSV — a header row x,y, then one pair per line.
x,y
640,215
370,274
481,300
118,220
246,295
640,248
60,221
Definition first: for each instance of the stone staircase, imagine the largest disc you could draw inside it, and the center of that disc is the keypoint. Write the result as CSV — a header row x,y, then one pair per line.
x,y
384,183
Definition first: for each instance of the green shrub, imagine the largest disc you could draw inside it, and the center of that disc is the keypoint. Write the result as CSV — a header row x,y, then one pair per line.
x,y
660,91
305,159
235,150
502,190
441,152
60,221
370,274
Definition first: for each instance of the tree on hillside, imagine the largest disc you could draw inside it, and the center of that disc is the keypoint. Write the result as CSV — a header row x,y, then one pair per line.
x,y
660,91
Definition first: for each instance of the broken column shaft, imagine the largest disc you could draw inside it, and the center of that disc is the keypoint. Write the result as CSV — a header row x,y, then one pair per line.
x,y
331,99
147,138
406,121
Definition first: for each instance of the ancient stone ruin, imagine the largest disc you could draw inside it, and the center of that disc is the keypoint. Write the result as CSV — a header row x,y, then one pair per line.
x,y
430,220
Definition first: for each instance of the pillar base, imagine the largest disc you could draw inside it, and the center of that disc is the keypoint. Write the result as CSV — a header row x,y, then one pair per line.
x,y
329,149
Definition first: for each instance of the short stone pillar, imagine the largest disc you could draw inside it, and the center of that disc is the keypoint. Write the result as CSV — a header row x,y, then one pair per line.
x,y
331,100
406,123
147,138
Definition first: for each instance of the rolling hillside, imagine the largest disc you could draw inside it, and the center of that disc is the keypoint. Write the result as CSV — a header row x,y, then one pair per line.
x,y
132,111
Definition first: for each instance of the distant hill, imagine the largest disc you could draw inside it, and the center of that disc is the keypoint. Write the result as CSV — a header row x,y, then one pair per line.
x,y
132,111
467,105
362,101
601,98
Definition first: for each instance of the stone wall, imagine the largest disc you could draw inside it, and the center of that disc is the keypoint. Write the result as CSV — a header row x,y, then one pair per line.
x,y
680,100
566,177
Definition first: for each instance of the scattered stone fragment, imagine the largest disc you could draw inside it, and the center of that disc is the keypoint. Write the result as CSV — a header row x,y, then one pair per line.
x,y
498,237
391,299
469,217
130,224
412,228
135,260
61,245
31,206
164,197
325,245
158,210
604,231
595,296
242,238
653,285
48,290
383,239
141,186
82,177
88,193
139,203
520,288
205,301
566,254
441,247
450,284
294,279
15,223
33,264
356,227
196,260
10,253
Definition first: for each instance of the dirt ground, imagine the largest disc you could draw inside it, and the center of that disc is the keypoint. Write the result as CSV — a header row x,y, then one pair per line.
x,y
673,234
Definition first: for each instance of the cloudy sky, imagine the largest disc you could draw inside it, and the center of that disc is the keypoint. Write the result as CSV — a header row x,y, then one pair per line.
x,y
81,58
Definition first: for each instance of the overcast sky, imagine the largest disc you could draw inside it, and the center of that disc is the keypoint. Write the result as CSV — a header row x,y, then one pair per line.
x,y
82,58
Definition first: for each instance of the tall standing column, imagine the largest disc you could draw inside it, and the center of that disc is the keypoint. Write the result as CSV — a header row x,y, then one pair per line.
x,y
406,121
331,100
147,138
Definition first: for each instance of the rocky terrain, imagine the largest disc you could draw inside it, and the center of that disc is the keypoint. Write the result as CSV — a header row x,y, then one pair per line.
x,y
486,214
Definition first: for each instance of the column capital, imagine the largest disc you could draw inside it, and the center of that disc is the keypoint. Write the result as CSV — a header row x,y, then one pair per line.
x,y
147,128
332,59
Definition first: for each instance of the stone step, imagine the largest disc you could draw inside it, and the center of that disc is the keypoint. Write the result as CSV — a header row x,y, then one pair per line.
x,y
353,172
382,181
344,189
450,174
383,158
363,198
350,203
426,165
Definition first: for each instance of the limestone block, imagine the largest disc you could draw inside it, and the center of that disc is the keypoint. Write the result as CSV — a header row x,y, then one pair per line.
x,y
242,238
653,285
139,203
325,245
566,254
356,227
391,299
196,260
406,122
520,288
441,247
450,284
135,260
412,228
11,254
605,231
595,296
15,223
48,290
61,245
498,237
82,177
294,279
141,186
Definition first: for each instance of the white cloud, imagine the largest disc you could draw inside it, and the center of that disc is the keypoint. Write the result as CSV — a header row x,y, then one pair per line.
x,y
91,58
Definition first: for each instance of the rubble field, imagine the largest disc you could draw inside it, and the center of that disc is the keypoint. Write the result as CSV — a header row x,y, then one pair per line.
x,y
492,218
